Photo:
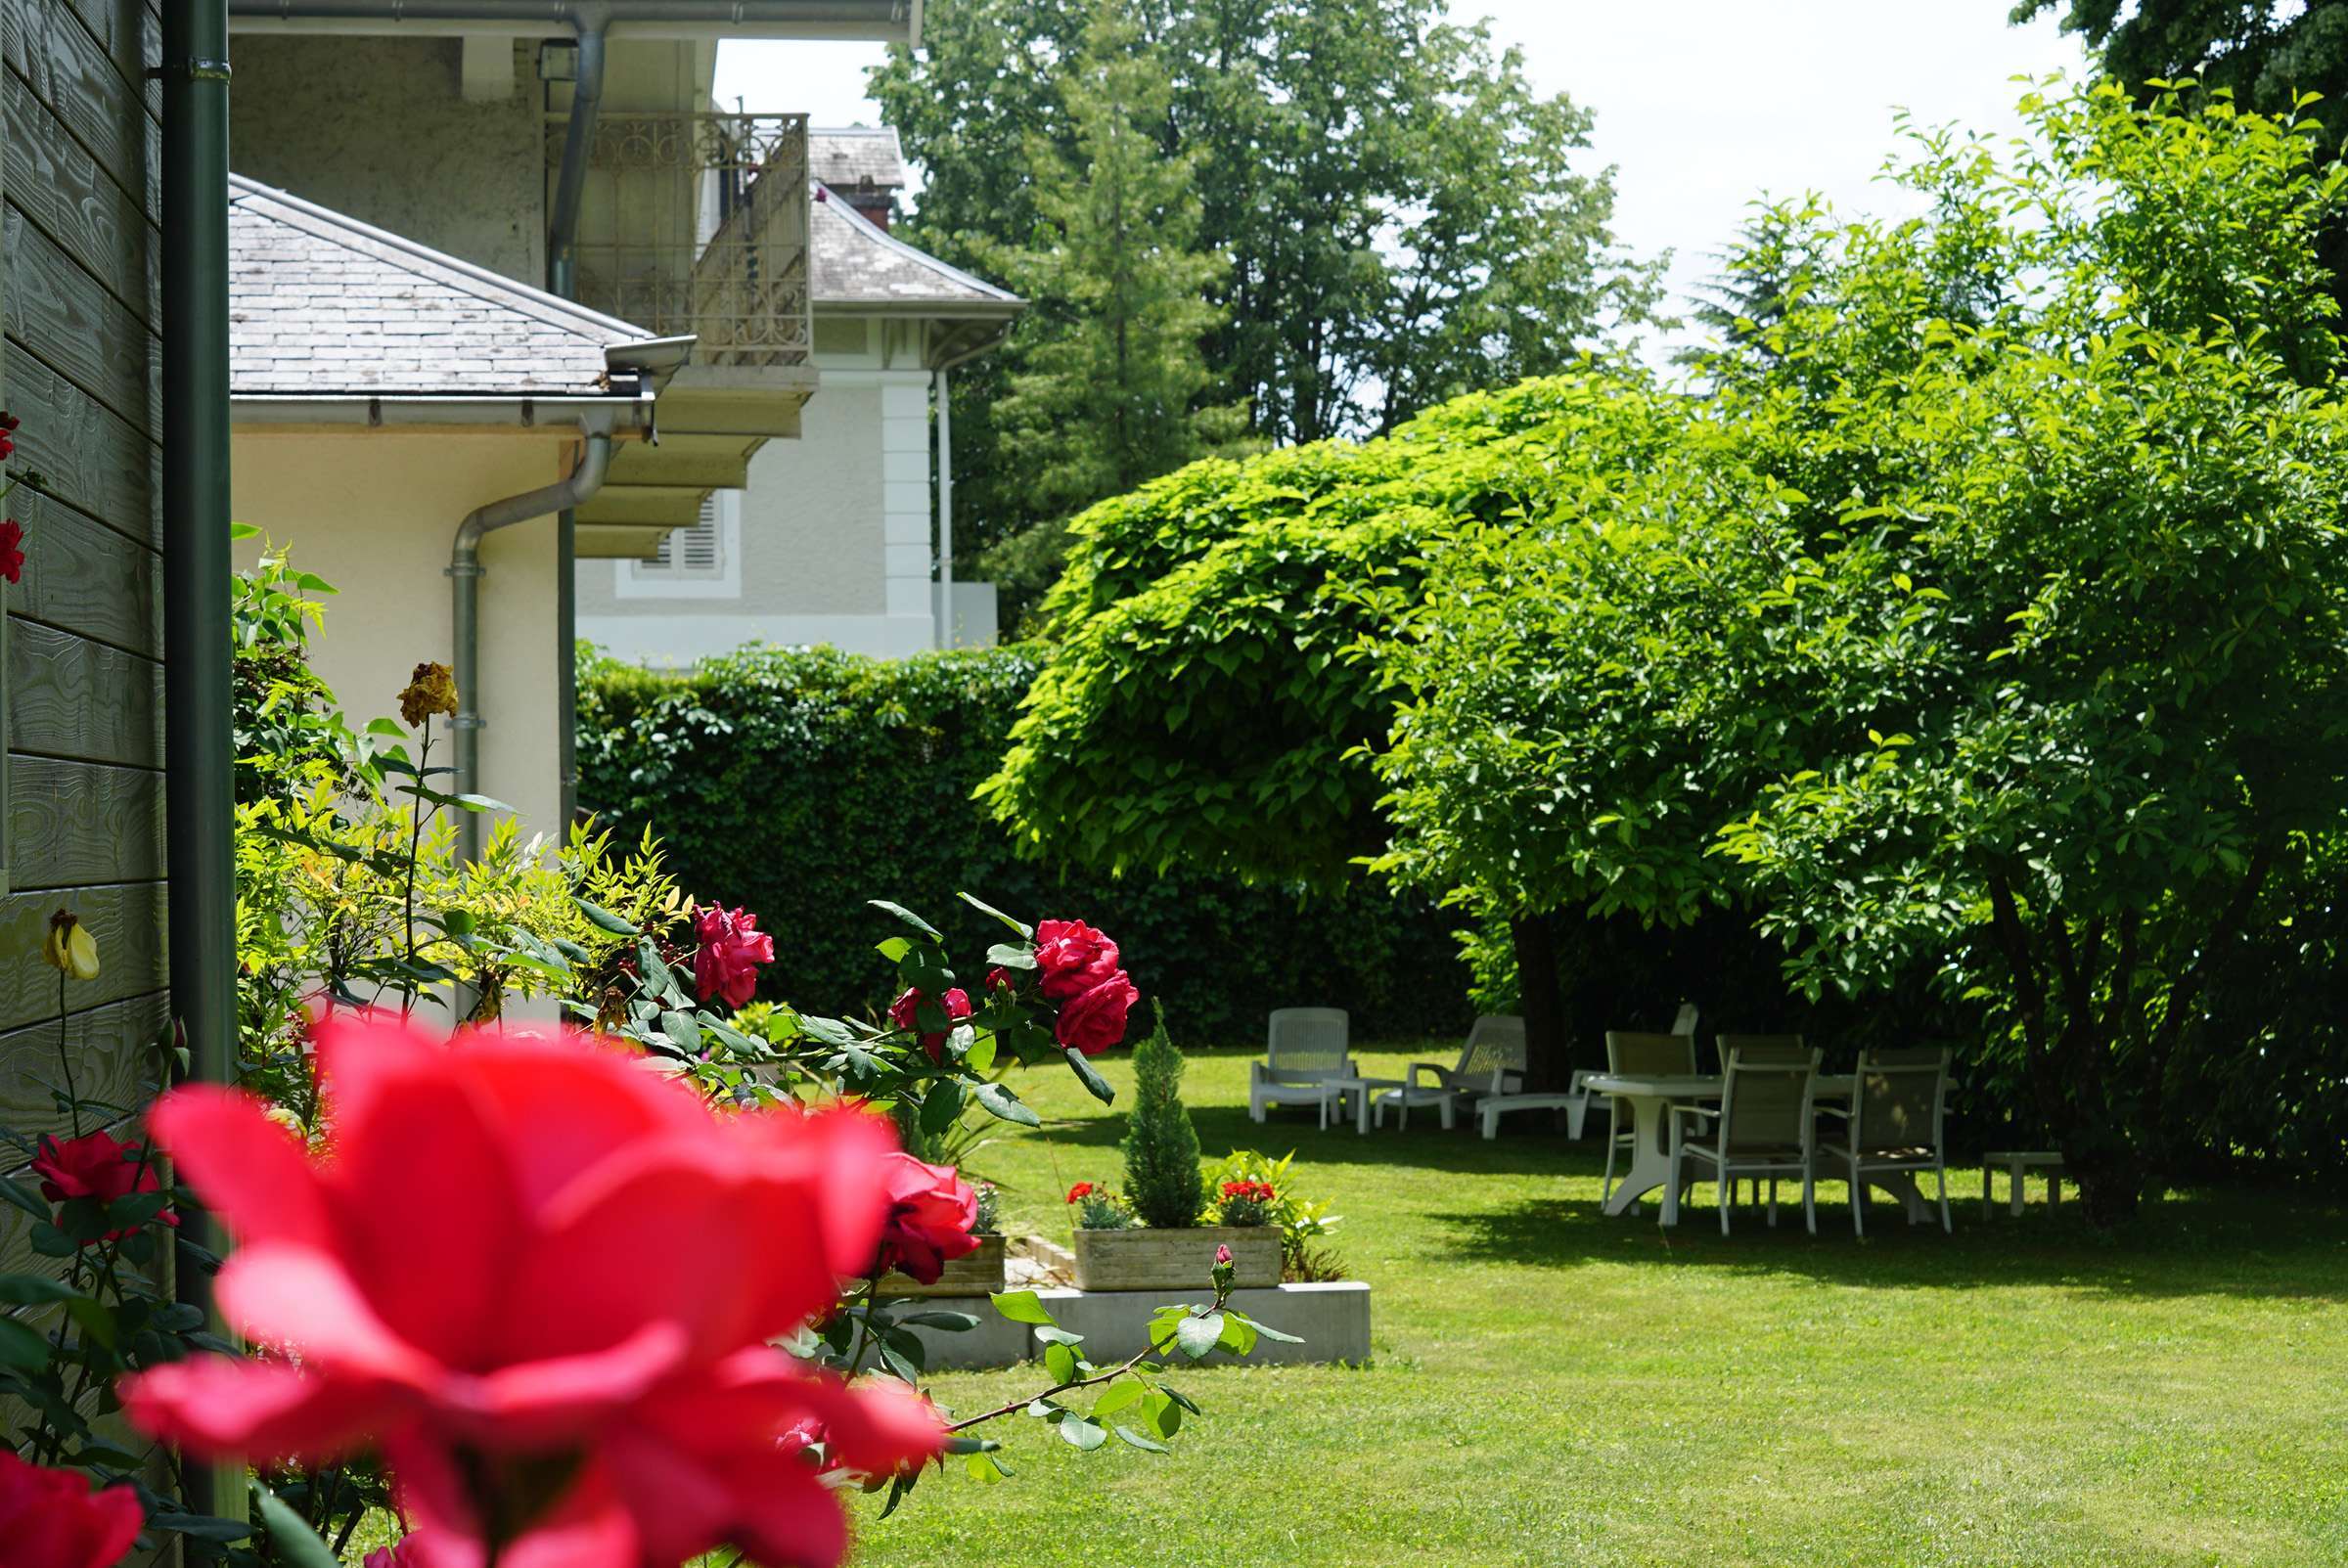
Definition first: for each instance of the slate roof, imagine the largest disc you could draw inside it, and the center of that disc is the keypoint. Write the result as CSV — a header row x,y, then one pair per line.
x,y
856,158
321,305
853,261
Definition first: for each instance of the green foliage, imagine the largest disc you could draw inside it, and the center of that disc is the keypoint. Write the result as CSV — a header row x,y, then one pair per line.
x,y
794,782
1302,1219
1161,1147
1107,386
1210,668
1404,216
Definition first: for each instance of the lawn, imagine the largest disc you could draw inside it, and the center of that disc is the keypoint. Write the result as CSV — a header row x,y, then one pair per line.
x,y
1549,1386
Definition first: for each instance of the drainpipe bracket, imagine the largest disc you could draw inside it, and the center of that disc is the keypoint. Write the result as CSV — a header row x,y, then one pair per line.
x,y
189,71
467,721
469,570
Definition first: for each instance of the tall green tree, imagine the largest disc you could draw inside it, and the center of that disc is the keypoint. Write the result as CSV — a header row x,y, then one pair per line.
x,y
1111,383
1404,217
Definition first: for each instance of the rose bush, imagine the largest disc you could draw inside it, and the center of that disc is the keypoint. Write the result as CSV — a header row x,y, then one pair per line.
x,y
728,949
100,1168
542,1281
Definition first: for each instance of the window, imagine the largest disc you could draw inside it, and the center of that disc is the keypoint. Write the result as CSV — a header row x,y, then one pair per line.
x,y
702,560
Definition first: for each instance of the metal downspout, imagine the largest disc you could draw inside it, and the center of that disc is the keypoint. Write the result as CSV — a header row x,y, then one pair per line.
x,y
561,278
945,510
198,709
465,572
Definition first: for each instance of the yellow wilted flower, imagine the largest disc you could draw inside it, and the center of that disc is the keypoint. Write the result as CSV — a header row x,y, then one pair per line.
x,y
430,690
71,947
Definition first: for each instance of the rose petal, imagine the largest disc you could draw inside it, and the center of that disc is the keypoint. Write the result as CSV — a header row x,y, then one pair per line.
x,y
249,1170
217,1405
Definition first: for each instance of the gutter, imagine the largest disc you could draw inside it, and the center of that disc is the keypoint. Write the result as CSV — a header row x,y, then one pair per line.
x,y
199,705
466,571
627,414
887,21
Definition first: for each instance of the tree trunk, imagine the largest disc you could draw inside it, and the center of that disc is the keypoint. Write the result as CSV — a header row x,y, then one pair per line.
x,y
1548,1046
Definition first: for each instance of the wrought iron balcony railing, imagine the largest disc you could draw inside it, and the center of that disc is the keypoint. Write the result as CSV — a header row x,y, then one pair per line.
x,y
697,223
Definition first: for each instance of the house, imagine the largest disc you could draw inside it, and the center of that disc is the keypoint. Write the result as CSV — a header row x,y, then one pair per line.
x,y
843,536
556,178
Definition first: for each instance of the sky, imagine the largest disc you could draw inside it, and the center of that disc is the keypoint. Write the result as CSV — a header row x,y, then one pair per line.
x,y
1702,106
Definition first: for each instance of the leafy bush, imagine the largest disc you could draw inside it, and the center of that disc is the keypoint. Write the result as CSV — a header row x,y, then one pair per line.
x,y
1302,1221
794,782
1161,1147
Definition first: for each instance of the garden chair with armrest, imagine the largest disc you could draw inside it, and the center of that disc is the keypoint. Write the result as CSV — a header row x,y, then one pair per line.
x,y
1899,1103
1491,1062
1632,1053
1764,1128
1307,1051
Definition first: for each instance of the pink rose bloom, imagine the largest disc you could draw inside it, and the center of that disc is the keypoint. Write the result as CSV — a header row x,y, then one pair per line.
x,y
930,1212
905,1013
95,1166
1073,957
542,1283
1095,1020
731,947
52,1520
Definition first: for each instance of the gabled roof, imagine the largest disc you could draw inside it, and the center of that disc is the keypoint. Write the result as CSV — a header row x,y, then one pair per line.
x,y
321,305
853,261
851,158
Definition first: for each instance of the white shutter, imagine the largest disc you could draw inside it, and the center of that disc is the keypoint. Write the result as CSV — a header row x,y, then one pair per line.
x,y
693,551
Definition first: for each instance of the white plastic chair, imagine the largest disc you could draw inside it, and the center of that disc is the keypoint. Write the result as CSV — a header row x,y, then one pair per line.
x,y
1577,1106
1306,1049
1631,1054
1899,1101
1491,1062
1764,1128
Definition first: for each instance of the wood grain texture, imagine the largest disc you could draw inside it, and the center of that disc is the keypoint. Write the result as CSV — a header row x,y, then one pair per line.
x,y
62,317
82,576
109,1065
60,187
75,823
126,920
1175,1260
85,453
69,696
97,88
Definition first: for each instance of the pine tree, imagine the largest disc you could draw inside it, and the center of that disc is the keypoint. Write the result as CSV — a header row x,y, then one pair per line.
x,y
1112,384
1161,1147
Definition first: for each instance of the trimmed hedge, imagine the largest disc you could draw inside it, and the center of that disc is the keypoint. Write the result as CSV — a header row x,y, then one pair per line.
x,y
801,782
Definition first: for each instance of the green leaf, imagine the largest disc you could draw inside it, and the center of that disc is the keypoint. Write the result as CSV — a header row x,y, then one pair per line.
x,y
1268,1332
908,916
1195,1336
297,1545
1021,1306
1091,1079
1002,1102
1117,1396
1060,1364
894,949
33,1289
22,1348
988,909
1082,1435
25,1199
1010,958
1139,1442
604,919
952,1323
1051,1334
681,1028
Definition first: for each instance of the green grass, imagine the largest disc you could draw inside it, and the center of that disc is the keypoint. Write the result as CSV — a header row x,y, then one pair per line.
x,y
1548,1386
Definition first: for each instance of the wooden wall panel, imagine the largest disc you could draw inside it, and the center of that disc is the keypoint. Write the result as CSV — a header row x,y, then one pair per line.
x,y
126,921
84,578
90,216
69,696
64,317
85,453
72,824
98,90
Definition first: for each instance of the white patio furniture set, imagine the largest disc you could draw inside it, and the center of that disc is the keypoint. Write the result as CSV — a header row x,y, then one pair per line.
x,y
1756,1122
1309,1062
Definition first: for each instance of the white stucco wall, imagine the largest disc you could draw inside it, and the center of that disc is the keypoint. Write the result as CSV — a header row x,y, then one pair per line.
x,y
834,540
374,514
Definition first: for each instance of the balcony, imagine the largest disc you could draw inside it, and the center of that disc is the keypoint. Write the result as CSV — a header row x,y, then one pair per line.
x,y
696,223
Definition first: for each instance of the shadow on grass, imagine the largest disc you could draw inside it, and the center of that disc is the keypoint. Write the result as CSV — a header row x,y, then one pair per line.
x,y
2217,1241
1424,1146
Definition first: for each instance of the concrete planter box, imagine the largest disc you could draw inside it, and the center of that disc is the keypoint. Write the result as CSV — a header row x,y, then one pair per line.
x,y
1332,1319
1175,1260
977,1274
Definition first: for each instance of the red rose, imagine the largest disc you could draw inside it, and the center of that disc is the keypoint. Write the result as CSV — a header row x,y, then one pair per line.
x,y
1082,1189
1095,1020
95,1166
998,978
8,437
1073,957
542,1282
905,1013
731,947
12,554
52,1520
930,1212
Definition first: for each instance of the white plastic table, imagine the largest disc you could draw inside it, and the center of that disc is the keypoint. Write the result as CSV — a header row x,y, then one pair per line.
x,y
1361,1091
1651,1097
